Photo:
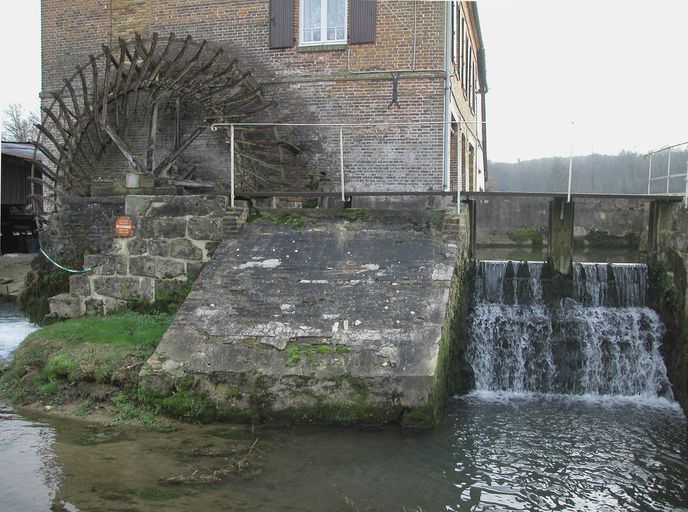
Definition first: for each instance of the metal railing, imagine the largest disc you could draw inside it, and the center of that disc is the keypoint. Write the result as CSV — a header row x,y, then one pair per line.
x,y
668,176
342,182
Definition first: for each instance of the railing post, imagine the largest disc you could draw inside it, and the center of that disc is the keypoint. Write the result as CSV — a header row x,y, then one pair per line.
x,y
341,161
458,170
231,165
685,194
668,171
649,176
568,195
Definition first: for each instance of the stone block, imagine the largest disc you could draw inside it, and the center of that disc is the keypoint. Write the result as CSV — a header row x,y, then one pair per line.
x,y
137,246
145,228
185,249
137,205
168,269
142,266
204,228
169,228
181,206
210,248
125,288
104,306
105,264
159,247
80,285
66,305
194,269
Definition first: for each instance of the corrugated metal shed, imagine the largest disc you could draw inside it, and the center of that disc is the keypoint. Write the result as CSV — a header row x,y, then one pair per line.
x,y
16,169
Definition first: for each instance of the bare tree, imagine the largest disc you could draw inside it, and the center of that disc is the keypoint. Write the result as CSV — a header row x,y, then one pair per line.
x,y
17,125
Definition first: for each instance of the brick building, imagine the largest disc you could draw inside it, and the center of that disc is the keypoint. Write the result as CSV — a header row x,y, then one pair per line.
x,y
384,66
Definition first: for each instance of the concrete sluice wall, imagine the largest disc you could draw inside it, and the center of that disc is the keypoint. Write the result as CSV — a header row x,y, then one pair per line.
x,y
329,316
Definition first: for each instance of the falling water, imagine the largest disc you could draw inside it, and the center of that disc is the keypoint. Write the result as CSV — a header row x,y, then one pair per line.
x,y
602,340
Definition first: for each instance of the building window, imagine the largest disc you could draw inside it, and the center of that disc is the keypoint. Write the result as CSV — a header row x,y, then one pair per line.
x,y
322,21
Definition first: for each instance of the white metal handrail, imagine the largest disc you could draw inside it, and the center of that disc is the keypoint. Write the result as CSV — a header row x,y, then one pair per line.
x,y
341,127
668,176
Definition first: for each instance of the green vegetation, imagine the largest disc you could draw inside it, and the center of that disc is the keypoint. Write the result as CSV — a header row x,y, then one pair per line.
x,y
299,351
45,281
87,361
522,235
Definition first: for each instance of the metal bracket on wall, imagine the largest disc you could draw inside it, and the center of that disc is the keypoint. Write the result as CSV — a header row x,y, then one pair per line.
x,y
395,91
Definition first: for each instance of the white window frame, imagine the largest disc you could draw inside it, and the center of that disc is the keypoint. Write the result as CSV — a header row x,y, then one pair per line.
x,y
323,25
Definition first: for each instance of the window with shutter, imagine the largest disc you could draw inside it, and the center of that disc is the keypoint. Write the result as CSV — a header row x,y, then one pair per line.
x,y
363,16
281,23
322,21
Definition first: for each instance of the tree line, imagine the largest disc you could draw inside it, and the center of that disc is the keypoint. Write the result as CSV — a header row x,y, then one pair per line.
x,y
625,173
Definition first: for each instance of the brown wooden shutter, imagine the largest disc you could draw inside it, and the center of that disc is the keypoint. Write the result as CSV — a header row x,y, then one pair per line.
x,y
281,23
362,21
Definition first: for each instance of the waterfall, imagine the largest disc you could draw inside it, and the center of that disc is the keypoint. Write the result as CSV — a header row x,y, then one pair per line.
x,y
600,339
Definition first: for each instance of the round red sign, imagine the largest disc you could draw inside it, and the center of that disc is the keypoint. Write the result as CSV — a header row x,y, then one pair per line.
x,y
123,226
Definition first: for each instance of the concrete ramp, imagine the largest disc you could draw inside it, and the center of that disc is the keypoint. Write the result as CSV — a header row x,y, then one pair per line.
x,y
314,315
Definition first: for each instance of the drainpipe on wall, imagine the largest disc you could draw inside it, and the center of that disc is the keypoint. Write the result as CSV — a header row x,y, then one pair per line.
x,y
446,143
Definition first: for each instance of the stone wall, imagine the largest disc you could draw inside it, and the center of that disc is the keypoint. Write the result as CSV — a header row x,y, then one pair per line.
x,y
310,84
340,316
668,243
83,224
173,237
597,222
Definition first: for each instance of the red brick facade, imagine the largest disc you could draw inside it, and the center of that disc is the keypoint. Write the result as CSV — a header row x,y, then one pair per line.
x,y
310,84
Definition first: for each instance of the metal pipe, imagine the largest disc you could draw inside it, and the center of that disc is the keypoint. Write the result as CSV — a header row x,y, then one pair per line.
x,y
341,161
231,165
458,171
568,195
415,32
668,177
649,176
215,126
665,148
447,97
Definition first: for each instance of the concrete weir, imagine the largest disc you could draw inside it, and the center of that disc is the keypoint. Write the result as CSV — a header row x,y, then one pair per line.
x,y
341,316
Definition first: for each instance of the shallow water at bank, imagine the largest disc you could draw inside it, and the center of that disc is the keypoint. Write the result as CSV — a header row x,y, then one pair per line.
x,y
14,327
492,451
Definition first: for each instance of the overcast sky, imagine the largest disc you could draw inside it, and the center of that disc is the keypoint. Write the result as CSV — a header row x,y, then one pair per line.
x,y
617,69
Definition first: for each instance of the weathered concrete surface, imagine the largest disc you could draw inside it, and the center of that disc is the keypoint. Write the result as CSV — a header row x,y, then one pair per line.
x,y
333,317
560,235
668,243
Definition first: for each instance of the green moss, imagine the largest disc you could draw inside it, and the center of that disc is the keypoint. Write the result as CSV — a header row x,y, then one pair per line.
x,y
352,214
160,493
299,351
436,220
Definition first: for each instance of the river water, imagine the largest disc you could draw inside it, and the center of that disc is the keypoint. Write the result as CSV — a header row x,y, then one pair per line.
x,y
494,450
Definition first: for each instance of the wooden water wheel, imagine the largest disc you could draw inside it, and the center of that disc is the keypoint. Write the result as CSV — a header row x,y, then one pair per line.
x,y
128,86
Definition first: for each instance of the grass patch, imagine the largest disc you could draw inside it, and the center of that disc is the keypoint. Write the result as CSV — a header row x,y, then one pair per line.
x,y
84,361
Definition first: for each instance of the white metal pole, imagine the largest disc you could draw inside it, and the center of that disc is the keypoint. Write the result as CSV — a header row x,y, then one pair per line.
x,y
458,170
568,195
685,195
668,171
231,165
649,176
341,161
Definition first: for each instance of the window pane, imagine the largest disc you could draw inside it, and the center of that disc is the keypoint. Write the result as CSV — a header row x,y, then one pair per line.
x,y
311,15
336,19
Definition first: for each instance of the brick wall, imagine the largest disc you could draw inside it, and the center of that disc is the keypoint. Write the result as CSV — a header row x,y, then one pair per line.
x,y
309,84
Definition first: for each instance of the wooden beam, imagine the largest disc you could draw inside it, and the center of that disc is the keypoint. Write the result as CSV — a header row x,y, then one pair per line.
x,y
165,164
122,146
152,134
